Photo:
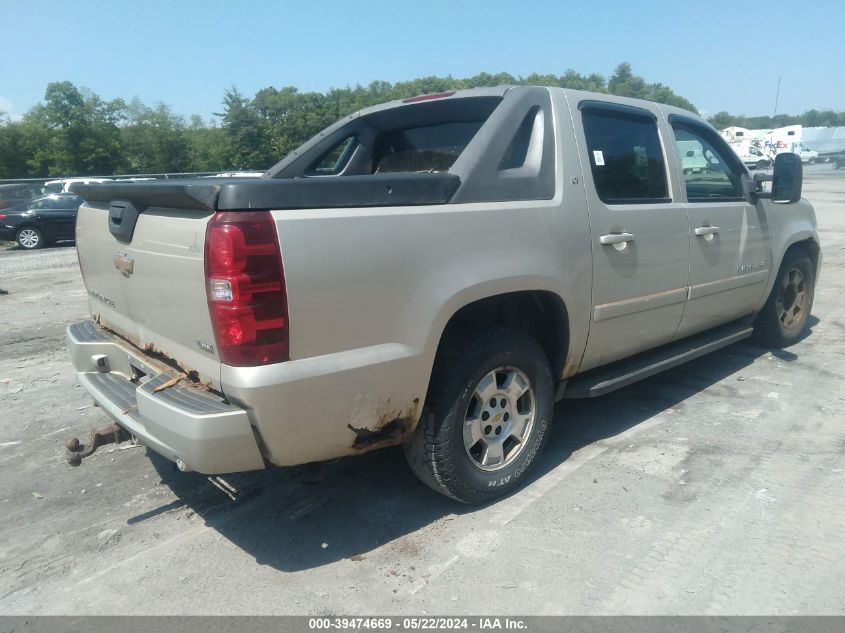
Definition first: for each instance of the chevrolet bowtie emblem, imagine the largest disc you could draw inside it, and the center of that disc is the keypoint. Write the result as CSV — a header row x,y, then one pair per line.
x,y
124,263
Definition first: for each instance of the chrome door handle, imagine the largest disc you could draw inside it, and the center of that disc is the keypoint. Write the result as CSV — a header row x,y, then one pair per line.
x,y
706,230
616,238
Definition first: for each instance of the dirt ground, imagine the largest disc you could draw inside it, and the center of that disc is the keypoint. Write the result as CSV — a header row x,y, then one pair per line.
x,y
713,489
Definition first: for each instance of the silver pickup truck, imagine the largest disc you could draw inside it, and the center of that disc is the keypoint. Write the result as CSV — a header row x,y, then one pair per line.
x,y
434,272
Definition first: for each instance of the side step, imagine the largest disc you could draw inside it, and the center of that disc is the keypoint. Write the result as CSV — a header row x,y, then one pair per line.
x,y
602,380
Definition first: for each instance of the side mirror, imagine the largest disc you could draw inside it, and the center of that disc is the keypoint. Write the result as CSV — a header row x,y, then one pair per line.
x,y
787,179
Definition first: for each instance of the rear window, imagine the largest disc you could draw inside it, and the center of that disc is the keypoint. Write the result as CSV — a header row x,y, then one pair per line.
x,y
429,148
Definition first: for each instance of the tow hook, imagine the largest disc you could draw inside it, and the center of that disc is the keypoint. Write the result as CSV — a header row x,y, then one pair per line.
x,y
76,452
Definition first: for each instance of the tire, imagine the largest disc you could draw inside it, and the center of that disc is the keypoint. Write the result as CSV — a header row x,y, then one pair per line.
x,y
474,393
785,317
837,163
811,161
762,164
29,238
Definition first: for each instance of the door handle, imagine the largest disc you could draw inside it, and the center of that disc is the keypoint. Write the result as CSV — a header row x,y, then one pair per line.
x,y
616,238
706,230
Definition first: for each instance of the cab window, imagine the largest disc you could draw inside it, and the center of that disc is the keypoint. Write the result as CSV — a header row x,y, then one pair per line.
x,y
716,175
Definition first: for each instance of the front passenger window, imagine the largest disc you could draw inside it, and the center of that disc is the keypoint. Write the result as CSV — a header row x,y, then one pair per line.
x,y
710,173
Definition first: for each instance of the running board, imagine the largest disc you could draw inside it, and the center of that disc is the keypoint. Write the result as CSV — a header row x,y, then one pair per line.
x,y
602,380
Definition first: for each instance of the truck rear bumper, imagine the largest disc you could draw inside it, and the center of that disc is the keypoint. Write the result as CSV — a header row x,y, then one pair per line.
x,y
196,429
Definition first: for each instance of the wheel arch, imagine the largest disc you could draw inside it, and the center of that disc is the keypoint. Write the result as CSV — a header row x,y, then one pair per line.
x,y
807,244
542,314
805,240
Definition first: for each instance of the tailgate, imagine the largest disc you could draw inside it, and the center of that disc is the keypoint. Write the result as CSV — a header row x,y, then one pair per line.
x,y
150,288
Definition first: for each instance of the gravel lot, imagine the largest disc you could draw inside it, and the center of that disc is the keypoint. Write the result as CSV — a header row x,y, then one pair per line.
x,y
714,489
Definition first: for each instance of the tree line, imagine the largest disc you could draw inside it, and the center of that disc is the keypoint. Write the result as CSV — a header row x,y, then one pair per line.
x,y
74,132
810,118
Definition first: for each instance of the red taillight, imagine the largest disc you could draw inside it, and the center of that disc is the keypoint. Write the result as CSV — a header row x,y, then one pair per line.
x,y
3,216
245,284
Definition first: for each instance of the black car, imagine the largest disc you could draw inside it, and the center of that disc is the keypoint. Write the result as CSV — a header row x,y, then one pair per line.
x,y
40,221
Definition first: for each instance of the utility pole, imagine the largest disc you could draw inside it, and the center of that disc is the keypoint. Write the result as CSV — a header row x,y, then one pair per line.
x,y
777,96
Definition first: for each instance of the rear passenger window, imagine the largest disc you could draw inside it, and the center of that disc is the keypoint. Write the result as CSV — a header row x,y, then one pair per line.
x,y
711,171
625,155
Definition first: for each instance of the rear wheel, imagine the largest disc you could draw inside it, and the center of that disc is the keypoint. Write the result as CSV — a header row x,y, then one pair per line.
x,y
30,238
785,317
837,163
486,417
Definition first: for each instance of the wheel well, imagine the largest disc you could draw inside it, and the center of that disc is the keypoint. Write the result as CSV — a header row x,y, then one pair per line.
x,y
810,247
540,314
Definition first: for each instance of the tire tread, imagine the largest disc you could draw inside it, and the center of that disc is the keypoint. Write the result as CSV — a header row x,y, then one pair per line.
x,y
428,452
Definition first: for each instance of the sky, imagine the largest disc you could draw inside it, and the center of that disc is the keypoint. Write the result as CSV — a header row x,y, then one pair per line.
x,y
185,53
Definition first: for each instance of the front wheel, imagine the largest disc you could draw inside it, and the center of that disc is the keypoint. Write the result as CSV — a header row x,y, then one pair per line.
x,y
486,418
811,161
30,238
785,317
762,164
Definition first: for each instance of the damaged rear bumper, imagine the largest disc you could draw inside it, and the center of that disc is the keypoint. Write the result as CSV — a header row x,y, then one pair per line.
x,y
197,430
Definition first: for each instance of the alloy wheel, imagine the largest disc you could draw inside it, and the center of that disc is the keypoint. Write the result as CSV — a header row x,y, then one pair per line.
x,y
790,299
499,418
29,238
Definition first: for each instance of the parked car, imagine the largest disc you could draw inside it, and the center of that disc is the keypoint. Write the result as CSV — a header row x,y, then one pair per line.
x,y
809,156
64,185
752,157
433,272
692,158
838,161
41,221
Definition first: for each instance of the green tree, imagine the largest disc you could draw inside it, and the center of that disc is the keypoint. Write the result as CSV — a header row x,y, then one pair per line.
x,y
207,146
247,133
722,119
77,133
153,140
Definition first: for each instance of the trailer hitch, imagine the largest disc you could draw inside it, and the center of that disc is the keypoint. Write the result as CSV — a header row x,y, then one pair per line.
x,y
76,452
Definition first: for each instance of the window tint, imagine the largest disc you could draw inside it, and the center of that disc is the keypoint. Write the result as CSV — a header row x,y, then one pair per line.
x,y
333,161
712,173
56,203
429,148
625,156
